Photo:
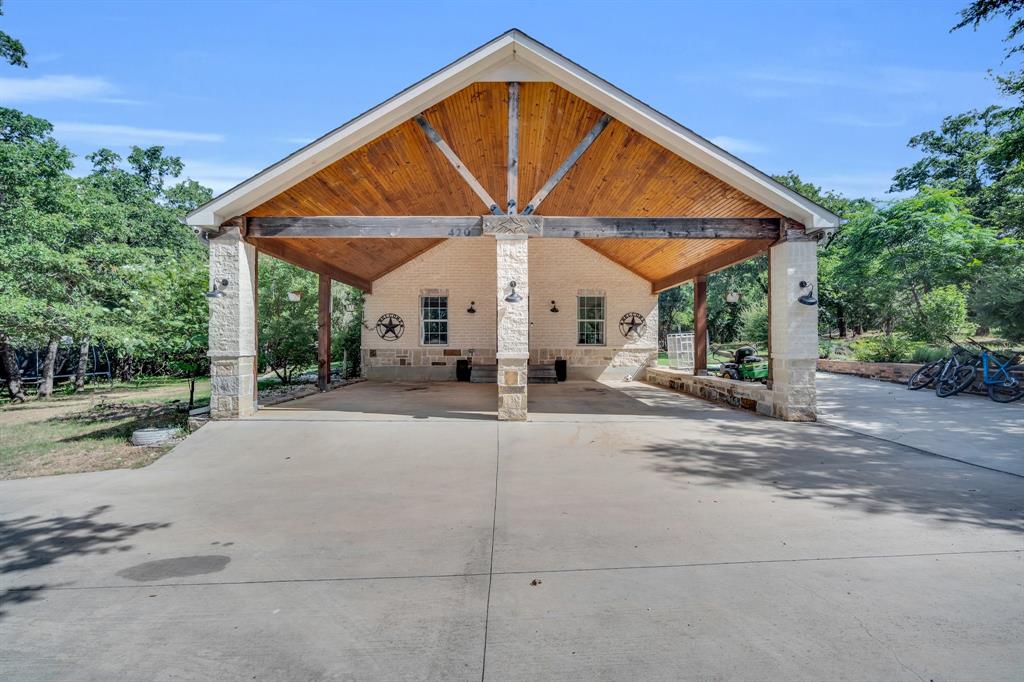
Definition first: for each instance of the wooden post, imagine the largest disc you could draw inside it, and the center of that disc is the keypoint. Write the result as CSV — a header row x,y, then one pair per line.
x,y
768,347
700,325
256,327
513,149
323,335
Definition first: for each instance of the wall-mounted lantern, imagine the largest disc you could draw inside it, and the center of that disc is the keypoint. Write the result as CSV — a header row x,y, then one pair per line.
x,y
554,308
218,288
807,294
471,309
514,297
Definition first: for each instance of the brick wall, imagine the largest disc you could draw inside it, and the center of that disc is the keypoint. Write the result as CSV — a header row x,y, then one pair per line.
x,y
466,269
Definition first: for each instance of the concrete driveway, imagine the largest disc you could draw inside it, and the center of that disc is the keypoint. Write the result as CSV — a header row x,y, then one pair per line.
x,y
970,428
398,532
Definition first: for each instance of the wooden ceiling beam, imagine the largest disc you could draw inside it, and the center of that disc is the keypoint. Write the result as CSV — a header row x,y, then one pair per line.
x,y
719,261
586,227
308,261
574,227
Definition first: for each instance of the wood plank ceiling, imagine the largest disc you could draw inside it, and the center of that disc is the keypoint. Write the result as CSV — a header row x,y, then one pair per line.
x,y
402,173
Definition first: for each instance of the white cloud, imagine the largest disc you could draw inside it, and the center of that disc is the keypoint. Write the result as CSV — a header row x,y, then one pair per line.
x,y
737,145
46,88
121,135
216,175
885,80
874,185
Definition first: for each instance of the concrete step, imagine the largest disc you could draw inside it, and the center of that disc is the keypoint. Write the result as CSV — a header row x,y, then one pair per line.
x,y
542,374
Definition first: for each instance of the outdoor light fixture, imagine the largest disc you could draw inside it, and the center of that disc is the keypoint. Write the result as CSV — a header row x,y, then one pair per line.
x,y
514,297
217,291
733,297
554,308
807,294
294,296
471,309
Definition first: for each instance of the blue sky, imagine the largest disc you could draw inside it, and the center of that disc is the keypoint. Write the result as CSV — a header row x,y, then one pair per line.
x,y
832,90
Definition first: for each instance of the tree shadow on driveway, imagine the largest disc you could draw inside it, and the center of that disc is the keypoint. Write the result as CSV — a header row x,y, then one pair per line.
x,y
31,542
842,469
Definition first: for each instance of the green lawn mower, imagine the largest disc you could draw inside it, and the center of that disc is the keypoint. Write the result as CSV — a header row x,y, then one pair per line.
x,y
744,364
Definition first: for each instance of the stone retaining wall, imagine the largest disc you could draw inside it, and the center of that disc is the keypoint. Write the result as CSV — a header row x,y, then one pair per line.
x,y
898,372
751,396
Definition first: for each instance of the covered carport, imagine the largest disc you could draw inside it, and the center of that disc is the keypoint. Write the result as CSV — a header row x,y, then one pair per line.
x,y
517,147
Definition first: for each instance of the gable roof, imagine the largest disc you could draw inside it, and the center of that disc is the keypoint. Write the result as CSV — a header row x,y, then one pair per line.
x,y
511,56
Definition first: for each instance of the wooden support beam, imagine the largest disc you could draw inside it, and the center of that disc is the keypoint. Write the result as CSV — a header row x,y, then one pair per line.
x,y
730,256
588,227
256,328
323,333
513,149
569,162
392,227
700,325
290,254
572,227
457,163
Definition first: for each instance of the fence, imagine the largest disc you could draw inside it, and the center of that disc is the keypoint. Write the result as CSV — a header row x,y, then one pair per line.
x,y
680,351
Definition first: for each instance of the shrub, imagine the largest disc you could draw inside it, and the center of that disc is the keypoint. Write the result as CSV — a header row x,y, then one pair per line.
x,y
824,349
998,299
754,322
925,354
884,348
943,313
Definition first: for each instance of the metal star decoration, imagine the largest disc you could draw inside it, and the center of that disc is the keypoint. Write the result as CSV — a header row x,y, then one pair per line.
x,y
632,325
390,327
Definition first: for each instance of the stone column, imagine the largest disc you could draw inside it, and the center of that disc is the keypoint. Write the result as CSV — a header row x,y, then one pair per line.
x,y
232,326
793,332
513,326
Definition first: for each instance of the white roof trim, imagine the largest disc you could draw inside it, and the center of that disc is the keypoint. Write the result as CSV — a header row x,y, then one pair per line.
x,y
511,53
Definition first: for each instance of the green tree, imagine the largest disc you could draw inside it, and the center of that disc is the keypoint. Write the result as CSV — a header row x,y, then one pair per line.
x,y
287,328
11,49
998,295
898,254
943,314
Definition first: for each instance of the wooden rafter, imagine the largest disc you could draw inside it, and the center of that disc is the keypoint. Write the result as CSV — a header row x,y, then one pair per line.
x,y
575,227
567,165
717,262
457,164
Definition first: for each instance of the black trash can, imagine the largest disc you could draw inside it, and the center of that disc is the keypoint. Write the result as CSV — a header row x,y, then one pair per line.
x,y
462,370
561,369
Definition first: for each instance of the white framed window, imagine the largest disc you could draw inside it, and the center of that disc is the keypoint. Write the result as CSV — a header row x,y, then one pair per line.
x,y
434,320
590,320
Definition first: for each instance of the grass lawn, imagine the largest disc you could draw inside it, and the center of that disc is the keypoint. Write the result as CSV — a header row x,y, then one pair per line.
x,y
90,431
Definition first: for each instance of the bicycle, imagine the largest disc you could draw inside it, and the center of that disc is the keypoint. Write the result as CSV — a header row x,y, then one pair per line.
x,y
956,375
926,375
1002,386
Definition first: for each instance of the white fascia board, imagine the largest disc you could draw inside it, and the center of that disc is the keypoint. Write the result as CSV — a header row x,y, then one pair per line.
x,y
673,136
352,135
